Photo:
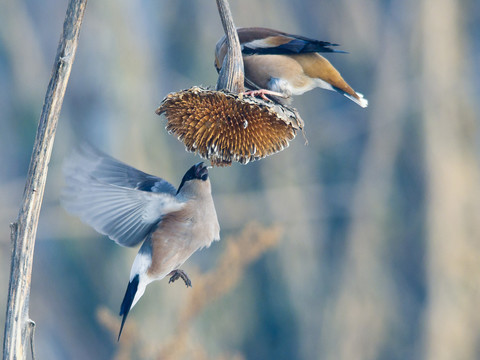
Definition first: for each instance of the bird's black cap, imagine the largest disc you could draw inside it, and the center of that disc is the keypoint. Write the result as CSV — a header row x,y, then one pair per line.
x,y
196,172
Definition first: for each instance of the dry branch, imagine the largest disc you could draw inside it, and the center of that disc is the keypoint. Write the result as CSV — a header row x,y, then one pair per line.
x,y
18,326
231,76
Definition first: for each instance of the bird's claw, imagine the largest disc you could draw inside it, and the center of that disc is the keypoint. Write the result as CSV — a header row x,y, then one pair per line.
x,y
262,93
177,274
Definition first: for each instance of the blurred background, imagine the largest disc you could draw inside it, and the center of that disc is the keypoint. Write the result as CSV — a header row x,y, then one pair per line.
x,y
366,241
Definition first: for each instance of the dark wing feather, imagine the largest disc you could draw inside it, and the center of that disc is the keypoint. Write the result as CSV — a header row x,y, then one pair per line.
x,y
272,42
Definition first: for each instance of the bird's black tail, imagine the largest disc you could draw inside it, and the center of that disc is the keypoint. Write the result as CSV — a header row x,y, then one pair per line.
x,y
127,301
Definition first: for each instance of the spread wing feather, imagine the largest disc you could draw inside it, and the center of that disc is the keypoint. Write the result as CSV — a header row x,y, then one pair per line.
x,y
114,198
272,42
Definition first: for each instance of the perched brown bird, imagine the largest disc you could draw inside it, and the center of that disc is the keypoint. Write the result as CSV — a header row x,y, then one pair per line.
x,y
283,65
131,206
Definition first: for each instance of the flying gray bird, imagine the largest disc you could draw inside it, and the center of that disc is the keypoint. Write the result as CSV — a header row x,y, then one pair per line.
x,y
131,207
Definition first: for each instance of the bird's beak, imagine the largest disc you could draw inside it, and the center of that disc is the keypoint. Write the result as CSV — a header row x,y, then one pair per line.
x,y
201,171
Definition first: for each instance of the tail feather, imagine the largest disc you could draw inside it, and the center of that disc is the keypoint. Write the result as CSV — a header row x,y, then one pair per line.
x,y
128,301
358,99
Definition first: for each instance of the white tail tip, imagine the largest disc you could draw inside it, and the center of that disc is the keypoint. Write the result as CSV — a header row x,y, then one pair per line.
x,y
362,101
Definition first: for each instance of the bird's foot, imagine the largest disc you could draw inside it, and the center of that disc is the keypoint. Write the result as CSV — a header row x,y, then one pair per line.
x,y
263,92
177,274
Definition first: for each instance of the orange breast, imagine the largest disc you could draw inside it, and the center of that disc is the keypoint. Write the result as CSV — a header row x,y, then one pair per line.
x,y
261,68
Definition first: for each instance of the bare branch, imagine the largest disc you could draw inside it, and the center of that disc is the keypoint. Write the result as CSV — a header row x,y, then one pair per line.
x,y
23,232
231,76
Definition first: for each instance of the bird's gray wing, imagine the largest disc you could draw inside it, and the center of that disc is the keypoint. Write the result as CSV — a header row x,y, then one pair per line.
x,y
114,198
111,171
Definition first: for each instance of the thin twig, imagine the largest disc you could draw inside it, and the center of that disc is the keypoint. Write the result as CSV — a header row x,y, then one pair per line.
x,y
32,325
231,75
24,230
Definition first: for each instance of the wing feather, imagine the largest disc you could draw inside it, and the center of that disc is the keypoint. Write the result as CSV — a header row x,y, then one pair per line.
x,y
112,171
114,198
262,41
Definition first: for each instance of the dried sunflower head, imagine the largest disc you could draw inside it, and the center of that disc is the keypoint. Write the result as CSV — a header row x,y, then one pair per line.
x,y
225,127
